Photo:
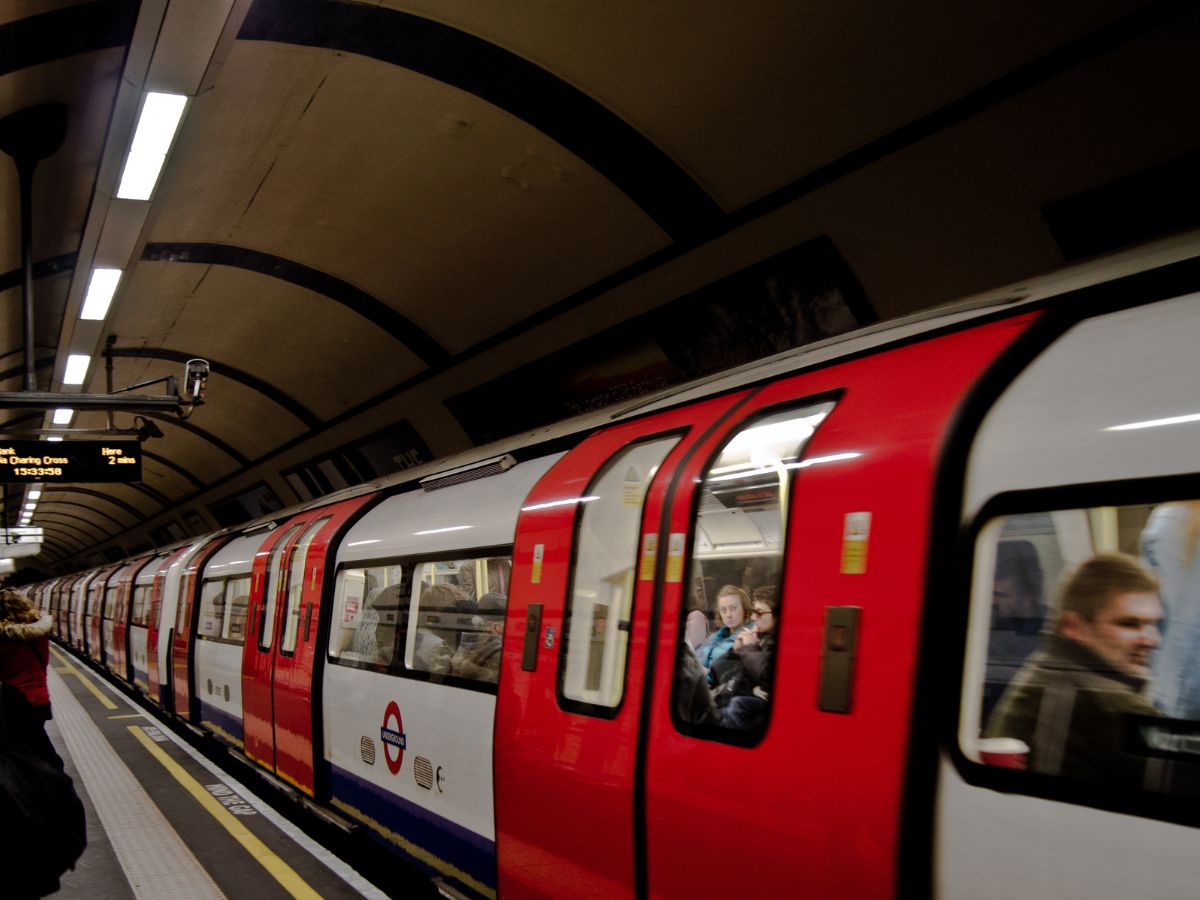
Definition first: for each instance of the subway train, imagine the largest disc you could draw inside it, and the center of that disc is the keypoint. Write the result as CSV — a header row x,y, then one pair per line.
x,y
490,663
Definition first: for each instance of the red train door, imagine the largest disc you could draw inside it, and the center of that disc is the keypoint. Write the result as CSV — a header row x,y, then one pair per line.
x,y
810,785
155,626
181,639
121,655
585,557
280,649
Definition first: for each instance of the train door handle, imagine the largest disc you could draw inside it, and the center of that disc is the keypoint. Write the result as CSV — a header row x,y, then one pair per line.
x,y
838,651
533,627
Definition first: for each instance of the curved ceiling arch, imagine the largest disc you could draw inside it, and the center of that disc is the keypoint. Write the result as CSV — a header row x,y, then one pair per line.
x,y
226,448
272,393
58,516
91,509
142,488
88,492
606,142
66,32
63,534
42,268
329,286
174,467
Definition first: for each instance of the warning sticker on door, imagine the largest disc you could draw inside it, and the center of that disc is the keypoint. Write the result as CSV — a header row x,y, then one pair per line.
x,y
675,557
649,556
535,575
856,534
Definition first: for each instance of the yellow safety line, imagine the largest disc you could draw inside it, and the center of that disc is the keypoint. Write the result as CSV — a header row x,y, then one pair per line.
x,y
130,716
69,669
281,871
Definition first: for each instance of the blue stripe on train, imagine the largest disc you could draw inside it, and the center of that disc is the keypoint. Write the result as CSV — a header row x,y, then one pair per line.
x,y
441,840
224,726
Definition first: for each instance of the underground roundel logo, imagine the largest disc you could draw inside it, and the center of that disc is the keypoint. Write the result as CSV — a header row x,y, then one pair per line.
x,y
391,735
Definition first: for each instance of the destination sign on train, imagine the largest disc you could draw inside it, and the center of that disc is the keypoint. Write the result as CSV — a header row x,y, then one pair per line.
x,y
23,462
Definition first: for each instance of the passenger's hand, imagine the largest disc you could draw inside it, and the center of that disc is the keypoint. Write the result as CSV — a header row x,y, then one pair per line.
x,y
747,638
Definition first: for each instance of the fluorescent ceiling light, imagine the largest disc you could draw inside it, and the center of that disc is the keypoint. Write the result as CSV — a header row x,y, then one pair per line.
x,y
77,366
63,417
155,130
101,288
54,438
1156,423
33,494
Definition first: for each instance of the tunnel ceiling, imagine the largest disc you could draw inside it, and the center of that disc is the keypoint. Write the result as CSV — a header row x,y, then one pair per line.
x,y
373,211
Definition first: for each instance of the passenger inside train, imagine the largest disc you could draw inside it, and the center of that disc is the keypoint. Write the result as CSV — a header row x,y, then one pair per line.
x,y
1103,695
739,543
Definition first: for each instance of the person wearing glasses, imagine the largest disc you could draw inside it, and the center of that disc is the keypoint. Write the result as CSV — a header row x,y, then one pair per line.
x,y
744,674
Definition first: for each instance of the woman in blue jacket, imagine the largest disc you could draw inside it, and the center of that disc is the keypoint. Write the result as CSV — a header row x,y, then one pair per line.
x,y
732,615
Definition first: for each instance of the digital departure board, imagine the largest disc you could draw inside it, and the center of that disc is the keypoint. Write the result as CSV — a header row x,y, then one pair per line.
x,y
57,462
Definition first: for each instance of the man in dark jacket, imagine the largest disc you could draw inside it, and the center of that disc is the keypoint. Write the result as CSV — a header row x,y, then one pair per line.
x,y
1073,700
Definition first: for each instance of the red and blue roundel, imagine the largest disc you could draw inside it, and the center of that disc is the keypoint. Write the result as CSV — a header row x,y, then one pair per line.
x,y
391,735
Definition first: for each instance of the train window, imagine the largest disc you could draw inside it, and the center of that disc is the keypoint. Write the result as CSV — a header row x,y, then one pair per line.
x,y
111,596
183,605
297,569
1083,648
211,620
591,674
456,617
141,605
237,602
266,622
725,661
366,615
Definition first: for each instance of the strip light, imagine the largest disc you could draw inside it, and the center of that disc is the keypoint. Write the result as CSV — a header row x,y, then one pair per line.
x,y
152,138
77,366
101,287
63,416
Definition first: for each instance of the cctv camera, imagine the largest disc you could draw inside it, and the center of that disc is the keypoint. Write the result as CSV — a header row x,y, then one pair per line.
x,y
195,379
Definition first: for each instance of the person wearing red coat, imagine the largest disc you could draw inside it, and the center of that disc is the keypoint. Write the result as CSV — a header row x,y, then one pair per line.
x,y
24,653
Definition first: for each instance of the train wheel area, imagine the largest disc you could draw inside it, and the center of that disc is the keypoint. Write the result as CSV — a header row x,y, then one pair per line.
x,y
165,821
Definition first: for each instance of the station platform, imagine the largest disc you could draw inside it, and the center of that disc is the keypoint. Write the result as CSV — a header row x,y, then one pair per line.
x,y
163,820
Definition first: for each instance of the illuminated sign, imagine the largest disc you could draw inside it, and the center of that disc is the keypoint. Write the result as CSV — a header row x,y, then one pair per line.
x,y
57,462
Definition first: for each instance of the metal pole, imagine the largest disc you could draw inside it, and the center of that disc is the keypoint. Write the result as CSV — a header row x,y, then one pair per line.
x,y
25,167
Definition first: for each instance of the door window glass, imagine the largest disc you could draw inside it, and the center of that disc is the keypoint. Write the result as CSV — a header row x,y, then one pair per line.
x,y
596,621
141,605
725,668
297,574
266,625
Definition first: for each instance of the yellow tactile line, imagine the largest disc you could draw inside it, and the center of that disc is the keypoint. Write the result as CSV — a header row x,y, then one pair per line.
x,y
68,669
281,871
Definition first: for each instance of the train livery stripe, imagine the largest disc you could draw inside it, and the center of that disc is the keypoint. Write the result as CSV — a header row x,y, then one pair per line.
x,y
446,848
226,727
281,871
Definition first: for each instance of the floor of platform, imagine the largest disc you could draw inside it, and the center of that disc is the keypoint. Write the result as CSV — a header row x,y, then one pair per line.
x,y
166,822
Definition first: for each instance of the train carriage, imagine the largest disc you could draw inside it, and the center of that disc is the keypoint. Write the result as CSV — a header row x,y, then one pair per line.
x,y
494,663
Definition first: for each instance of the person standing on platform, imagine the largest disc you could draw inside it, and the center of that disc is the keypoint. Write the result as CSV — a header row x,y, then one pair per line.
x,y
24,653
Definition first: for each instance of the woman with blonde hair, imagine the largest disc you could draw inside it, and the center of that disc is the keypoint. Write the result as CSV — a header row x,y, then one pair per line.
x,y
732,614
24,653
